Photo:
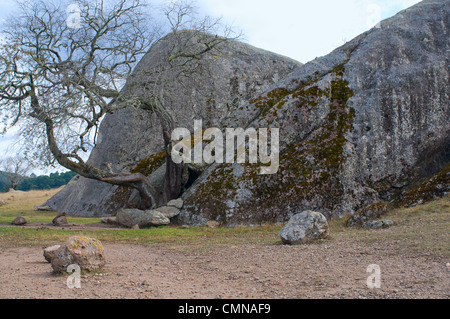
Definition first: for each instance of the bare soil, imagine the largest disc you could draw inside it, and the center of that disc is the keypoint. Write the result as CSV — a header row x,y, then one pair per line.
x,y
330,269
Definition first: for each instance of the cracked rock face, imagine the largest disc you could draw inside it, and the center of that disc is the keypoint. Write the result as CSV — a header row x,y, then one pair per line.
x,y
366,123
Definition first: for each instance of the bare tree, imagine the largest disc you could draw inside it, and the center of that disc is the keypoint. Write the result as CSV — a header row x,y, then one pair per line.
x,y
58,81
14,169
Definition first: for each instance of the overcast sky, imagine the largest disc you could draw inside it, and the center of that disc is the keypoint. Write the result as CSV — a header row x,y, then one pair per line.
x,y
299,29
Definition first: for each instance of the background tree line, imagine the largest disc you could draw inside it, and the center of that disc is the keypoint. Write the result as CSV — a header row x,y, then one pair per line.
x,y
33,182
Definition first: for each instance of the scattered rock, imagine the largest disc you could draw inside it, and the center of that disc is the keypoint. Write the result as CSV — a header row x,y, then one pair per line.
x,y
88,253
60,220
375,224
304,227
131,217
362,216
169,211
18,221
212,224
50,252
2,202
178,203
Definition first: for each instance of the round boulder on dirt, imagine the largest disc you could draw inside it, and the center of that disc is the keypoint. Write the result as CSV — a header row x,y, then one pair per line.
x,y
304,227
87,253
60,220
131,217
19,221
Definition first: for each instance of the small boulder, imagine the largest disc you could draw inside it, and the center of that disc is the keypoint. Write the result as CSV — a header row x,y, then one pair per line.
x,y
50,252
178,203
131,217
2,202
304,227
88,253
60,220
19,221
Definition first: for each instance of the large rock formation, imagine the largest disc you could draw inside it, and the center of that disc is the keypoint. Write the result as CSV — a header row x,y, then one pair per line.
x,y
224,81
364,124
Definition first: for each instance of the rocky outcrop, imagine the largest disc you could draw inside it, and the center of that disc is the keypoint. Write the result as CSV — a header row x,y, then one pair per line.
x,y
358,126
131,138
366,123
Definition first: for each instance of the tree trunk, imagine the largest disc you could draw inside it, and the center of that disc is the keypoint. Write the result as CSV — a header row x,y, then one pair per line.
x,y
173,178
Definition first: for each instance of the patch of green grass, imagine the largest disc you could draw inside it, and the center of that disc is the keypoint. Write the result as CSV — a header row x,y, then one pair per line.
x,y
421,229
42,217
20,236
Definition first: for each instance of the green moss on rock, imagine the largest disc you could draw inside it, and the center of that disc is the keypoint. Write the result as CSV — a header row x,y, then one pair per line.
x,y
309,170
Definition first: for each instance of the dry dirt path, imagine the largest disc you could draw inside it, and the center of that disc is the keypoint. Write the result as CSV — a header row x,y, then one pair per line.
x,y
335,269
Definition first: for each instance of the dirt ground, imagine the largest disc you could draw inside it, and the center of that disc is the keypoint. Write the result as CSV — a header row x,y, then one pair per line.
x,y
336,269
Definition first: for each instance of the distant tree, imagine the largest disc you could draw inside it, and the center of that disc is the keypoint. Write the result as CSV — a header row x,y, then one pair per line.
x,y
54,180
58,79
14,169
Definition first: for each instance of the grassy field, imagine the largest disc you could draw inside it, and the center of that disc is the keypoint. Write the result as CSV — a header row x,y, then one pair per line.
x,y
423,229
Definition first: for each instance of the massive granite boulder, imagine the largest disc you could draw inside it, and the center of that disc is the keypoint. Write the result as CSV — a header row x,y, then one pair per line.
x,y
367,123
131,138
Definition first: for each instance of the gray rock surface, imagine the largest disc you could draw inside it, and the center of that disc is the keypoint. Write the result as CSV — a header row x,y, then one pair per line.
x,y
304,227
168,211
224,82
178,203
132,217
361,125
